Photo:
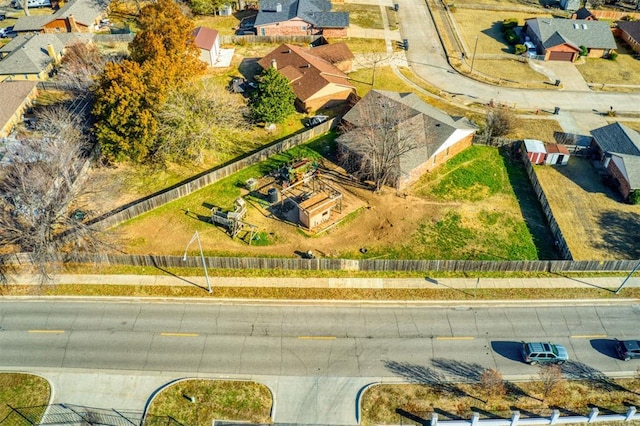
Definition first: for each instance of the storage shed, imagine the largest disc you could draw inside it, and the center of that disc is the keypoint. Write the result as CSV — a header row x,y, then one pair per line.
x,y
316,210
557,154
535,151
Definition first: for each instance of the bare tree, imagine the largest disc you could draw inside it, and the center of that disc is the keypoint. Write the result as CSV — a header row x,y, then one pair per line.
x,y
81,64
492,383
202,116
500,121
550,379
38,187
371,59
375,144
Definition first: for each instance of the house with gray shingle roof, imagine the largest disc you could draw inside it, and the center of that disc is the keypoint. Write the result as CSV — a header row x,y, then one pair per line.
x,y
33,56
77,16
562,39
630,33
300,17
435,135
618,149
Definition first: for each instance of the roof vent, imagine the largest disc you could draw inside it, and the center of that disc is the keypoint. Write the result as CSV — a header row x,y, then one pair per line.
x,y
576,26
287,51
308,65
584,26
278,7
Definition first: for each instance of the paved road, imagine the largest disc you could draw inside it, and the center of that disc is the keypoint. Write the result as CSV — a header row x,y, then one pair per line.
x,y
315,359
427,59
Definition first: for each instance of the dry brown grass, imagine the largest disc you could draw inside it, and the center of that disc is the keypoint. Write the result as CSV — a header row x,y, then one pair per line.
x,y
624,70
214,399
542,129
512,73
440,294
595,223
486,24
381,403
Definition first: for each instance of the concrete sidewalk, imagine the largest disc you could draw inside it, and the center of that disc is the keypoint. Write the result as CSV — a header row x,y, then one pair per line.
x,y
332,283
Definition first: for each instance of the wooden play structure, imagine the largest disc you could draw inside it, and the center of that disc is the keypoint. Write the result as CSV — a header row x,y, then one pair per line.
x,y
233,220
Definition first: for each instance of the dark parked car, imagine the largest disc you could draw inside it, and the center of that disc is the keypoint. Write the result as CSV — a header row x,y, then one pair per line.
x,y
3,16
315,120
544,353
628,349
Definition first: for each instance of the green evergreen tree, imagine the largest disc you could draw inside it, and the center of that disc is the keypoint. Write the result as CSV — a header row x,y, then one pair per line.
x,y
274,100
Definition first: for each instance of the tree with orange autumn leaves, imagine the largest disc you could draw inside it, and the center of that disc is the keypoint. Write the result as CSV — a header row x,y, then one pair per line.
x,y
129,94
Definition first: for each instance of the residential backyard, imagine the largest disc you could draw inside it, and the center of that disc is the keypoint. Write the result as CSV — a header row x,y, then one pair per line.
x,y
482,221
625,70
594,221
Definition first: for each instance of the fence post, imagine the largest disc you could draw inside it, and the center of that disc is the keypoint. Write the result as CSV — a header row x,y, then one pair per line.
x,y
630,413
434,419
475,418
593,414
515,416
555,414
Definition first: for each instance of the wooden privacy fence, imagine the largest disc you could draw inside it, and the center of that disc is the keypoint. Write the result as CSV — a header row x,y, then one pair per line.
x,y
143,205
330,264
560,242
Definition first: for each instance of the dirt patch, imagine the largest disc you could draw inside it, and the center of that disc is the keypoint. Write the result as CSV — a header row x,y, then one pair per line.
x,y
593,219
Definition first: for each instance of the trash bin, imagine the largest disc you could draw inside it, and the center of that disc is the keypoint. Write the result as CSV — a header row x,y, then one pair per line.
x,y
405,44
396,6
556,110
557,83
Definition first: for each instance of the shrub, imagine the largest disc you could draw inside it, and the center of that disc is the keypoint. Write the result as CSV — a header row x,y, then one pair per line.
x,y
492,383
511,36
520,49
509,24
634,198
612,56
584,51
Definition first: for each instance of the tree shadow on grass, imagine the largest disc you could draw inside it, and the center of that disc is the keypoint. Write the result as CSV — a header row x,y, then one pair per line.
x,y
581,371
619,233
425,376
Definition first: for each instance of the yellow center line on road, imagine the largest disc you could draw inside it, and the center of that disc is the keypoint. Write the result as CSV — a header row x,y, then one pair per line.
x,y
46,331
317,337
180,334
588,336
455,337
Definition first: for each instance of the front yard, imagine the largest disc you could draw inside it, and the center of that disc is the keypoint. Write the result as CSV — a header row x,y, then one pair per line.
x,y
624,70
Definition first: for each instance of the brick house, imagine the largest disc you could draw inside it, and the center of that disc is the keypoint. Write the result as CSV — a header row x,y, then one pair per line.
x,y
617,147
561,39
436,136
300,17
317,75
16,97
629,31
77,16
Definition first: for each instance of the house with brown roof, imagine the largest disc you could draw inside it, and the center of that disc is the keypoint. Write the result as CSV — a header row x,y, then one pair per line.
x,y
314,73
17,96
300,17
77,16
629,31
208,43
434,135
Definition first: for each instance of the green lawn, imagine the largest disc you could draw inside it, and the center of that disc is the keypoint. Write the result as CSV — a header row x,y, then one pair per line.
x,y
214,400
20,391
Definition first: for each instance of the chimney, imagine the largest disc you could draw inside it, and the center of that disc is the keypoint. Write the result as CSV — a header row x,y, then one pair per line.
x,y
51,51
278,7
73,27
274,64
